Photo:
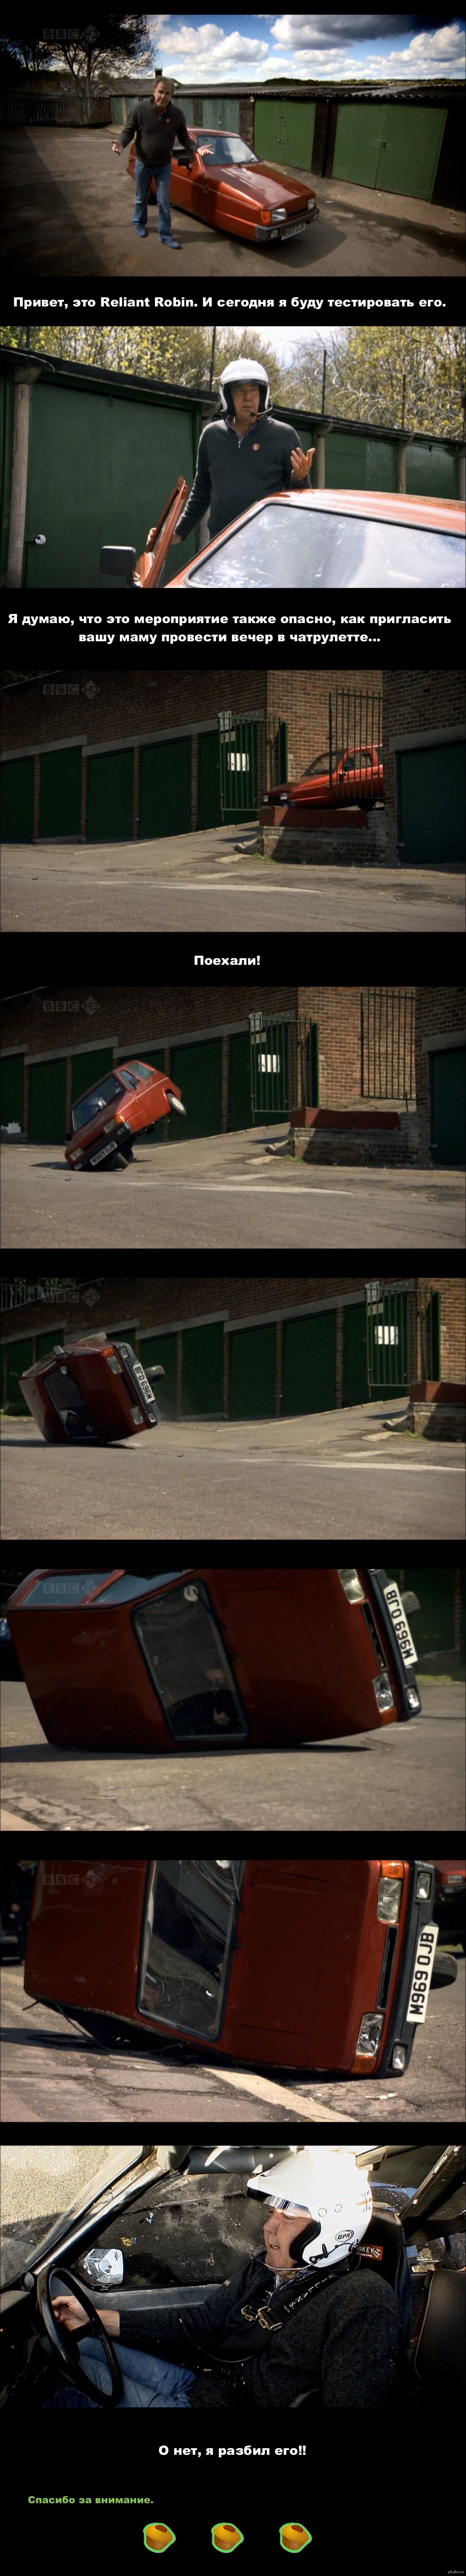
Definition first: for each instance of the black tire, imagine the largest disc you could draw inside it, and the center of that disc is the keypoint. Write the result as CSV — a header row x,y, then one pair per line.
x,y
445,1969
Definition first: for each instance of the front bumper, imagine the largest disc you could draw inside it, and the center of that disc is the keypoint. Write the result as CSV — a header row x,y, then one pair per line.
x,y
90,1157
280,232
401,2032
409,1694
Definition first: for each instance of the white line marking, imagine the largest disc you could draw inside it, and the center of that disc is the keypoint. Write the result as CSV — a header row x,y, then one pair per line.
x,y
304,2108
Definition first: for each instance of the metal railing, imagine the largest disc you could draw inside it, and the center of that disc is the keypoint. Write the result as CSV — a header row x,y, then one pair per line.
x,y
54,107
284,1054
391,1336
355,745
253,755
387,1043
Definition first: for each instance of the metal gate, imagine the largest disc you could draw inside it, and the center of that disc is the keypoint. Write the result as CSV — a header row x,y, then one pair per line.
x,y
387,1043
284,1064
355,746
391,1336
253,755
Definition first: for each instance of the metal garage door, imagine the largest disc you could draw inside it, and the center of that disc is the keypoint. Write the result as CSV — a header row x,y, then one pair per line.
x,y
110,796
17,796
19,1358
223,112
47,1102
164,788
202,1371
389,146
60,792
198,1072
356,1389
239,1079
160,1350
431,804
89,1068
12,1088
447,1098
252,1373
284,131
309,1365
209,809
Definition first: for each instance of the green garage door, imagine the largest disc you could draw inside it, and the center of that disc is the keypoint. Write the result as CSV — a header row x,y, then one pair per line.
x,y
202,1378
356,1389
198,1072
110,796
17,795
239,1079
159,1350
390,147
309,1363
12,1089
89,1068
223,112
209,809
447,1098
60,793
284,131
252,1373
47,1102
164,789
19,1358
431,805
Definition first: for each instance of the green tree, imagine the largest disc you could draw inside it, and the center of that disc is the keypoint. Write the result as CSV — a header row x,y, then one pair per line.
x,y
23,52
92,53
409,378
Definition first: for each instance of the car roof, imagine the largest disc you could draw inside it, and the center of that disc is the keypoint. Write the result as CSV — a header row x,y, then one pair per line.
x,y
418,511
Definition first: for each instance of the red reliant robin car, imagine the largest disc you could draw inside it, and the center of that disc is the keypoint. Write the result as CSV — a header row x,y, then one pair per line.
x,y
223,1657
117,1107
358,773
228,187
92,1389
302,540
245,1955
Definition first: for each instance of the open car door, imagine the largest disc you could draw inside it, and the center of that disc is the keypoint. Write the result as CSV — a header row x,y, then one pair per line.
x,y
146,574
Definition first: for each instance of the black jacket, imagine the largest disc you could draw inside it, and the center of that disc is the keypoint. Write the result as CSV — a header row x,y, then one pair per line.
x,y
339,2339
155,129
232,472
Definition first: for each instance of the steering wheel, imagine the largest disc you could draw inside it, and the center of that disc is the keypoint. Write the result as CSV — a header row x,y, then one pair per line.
x,y
63,2342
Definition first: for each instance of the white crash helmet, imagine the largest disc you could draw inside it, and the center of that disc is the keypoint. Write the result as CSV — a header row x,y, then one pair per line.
x,y
326,2186
242,371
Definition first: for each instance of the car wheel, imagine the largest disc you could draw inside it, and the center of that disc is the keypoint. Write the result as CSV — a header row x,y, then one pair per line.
x,y
445,1969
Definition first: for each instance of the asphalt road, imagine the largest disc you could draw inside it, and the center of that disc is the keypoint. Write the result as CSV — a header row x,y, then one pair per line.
x,y
334,1473
408,1777
43,2056
219,1190
68,205
200,883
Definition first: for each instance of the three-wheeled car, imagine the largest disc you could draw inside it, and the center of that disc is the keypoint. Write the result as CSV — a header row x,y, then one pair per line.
x,y
162,2228
90,1388
322,1964
107,1117
212,1657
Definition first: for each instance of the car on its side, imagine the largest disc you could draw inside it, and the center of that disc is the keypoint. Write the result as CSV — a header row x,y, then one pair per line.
x,y
227,186
118,1106
90,1387
313,540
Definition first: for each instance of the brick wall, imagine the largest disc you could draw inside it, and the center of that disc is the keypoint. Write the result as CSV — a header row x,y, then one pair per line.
x,y
301,699
453,1333
136,1015
440,1009
416,702
336,1007
166,1301
127,703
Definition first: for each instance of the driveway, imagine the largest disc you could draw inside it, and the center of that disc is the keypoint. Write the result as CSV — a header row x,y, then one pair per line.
x,y
68,205
175,884
242,1190
333,1473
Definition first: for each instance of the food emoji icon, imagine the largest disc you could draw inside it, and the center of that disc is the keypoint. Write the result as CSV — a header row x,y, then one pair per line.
x,y
157,2535
293,2536
225,2535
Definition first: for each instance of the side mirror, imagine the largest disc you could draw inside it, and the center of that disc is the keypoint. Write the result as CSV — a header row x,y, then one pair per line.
x,y
105,2269
410,1601
118,559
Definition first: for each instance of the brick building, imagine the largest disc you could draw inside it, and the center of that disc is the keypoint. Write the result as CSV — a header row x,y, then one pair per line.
x,y
256,1348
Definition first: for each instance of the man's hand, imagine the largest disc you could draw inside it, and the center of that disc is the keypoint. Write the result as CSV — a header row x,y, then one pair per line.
x,y
176,539
301,464
117,147
68,2312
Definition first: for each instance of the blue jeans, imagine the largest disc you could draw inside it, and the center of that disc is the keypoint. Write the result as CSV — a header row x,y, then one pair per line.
x,y
146,2380
162,178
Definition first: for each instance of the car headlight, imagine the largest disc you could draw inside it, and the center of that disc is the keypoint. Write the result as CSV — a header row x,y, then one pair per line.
x,y
389,1900
370,2035
383,1691
423,1885
310,202
351,1585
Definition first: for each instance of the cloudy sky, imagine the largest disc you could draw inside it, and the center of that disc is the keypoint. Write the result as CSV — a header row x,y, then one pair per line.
x,y
224,49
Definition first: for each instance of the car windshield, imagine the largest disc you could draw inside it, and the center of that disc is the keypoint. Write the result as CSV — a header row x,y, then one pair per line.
x,y
329,552
98,1098
226,148
186,1944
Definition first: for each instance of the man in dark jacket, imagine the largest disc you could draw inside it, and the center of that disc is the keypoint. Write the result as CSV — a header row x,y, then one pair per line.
x,y
305,2316
243,457
155,122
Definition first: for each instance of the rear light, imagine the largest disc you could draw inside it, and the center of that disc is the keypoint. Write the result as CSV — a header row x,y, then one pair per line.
x,y
389,1900
351,1584
423,1885
383,1691
370,2035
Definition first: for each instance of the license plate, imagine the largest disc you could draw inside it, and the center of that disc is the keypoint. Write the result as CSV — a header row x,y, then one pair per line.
x,y
400,1623
288,229
103,1150
143,1382
423,1965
